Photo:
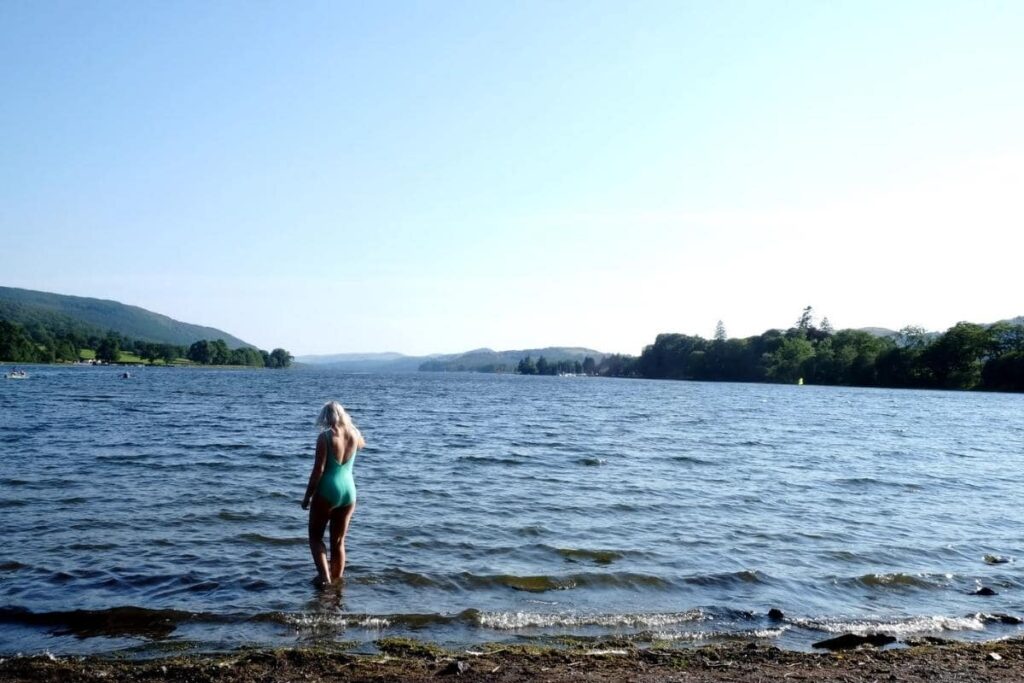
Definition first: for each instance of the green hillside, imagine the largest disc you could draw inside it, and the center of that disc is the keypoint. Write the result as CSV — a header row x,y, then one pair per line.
x,y
94,317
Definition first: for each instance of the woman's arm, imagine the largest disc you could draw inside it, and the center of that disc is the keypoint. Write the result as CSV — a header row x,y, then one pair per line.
x,y
318,471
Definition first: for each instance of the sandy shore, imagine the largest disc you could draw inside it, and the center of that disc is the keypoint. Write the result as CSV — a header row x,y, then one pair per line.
x,y
405,660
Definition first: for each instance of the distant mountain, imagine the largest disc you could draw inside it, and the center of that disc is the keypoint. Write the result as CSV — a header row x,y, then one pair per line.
x,y
488,360
477,360
63,313
350,358
878,331
365,362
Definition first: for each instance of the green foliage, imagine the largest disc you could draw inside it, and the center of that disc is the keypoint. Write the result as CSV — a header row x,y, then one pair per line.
x,y
967,356
279,358
44,328
85,317
15,345
786,364
109,350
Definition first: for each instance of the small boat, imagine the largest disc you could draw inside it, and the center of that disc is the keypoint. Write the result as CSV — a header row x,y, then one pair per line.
x,y
17,374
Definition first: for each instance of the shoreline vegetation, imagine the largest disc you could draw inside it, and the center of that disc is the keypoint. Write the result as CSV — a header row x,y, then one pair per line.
x,y
40,344
404,659
967,356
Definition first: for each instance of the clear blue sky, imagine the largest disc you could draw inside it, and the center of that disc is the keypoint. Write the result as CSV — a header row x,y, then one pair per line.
x,y
439,176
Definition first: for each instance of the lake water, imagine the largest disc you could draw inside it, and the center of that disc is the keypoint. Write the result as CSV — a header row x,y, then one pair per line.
x,y
162,512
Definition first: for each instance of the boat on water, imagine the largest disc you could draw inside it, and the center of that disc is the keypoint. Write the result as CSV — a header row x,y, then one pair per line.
x,y
16,374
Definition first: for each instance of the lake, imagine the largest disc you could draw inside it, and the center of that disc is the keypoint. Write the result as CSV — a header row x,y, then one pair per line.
x,y
161,512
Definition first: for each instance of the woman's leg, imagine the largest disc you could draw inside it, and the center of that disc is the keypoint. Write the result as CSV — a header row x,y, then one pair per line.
x,y
319,513
340,518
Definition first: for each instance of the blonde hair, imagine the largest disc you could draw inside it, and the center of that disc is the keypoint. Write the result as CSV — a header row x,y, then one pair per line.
x,y
333,414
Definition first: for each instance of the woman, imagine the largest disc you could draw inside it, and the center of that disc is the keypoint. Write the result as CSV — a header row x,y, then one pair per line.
x,y
332,490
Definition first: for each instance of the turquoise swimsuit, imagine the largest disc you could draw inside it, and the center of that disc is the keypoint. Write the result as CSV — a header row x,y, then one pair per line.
x,y
336,484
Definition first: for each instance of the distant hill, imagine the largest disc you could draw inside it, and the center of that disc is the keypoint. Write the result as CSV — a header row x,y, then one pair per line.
x,y
488,360
65,313
365,362
878,331
477,360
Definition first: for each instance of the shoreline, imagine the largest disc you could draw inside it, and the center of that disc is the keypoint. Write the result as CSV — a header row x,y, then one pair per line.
x,y
410,660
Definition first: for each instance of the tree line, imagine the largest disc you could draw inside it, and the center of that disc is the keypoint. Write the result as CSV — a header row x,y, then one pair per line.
x,y
612,365
216,352
543,366
966,356
38,343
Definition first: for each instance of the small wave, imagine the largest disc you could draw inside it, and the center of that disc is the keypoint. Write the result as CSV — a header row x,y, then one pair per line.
x,y
753,443
486,460
584,555
898,627
869,482
509,621
12,503
727,578
261,539
12,566
697,636
691,459
400,576
897,580
216,446
92,546
73,500
591,462
543,583
311,620
116,621
320,621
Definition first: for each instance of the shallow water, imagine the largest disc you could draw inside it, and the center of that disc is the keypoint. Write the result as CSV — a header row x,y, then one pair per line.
x,y
162,512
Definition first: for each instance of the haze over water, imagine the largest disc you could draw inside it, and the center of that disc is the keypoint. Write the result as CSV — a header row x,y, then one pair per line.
x,y
501,508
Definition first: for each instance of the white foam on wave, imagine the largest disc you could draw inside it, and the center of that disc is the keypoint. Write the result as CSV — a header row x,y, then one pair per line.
x,y
696,636
902,627
312,621
517,620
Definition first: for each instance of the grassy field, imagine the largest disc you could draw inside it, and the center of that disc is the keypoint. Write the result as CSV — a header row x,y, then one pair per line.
x,y
126,357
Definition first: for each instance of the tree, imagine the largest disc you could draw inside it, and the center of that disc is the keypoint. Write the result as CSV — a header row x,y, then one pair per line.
x,y
720,335
786,363
279,358
806,320
589,365
526,367
543,367
956,358
219,352
109,350
912,337
15,346
200,352
826,326
170,353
